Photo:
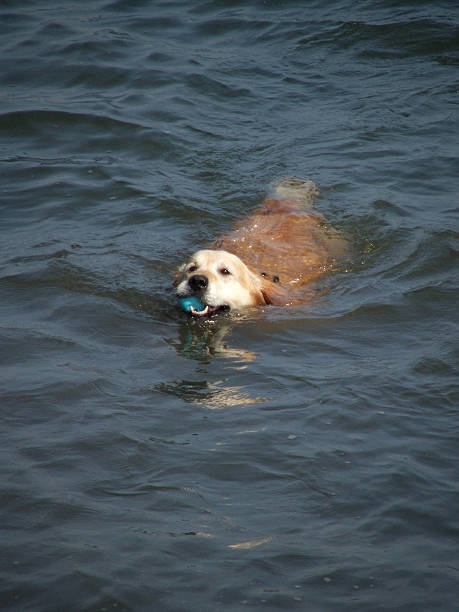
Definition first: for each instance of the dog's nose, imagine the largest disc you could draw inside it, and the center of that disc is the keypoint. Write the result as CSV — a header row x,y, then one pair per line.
x,y
198,282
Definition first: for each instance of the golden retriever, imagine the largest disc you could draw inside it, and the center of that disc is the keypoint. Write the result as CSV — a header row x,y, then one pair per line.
x,y
271,257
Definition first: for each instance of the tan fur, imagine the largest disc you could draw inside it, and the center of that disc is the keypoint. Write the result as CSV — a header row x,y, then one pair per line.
x,y
271,257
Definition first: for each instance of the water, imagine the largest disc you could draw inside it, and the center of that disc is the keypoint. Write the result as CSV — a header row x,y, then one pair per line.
x,y
297,459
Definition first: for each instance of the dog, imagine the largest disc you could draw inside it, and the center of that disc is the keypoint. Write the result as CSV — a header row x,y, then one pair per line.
x,y
272,257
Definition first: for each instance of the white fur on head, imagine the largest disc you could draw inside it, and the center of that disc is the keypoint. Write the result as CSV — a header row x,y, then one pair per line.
x,y
229,281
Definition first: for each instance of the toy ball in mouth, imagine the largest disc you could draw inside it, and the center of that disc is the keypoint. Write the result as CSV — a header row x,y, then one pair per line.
x,y
191,304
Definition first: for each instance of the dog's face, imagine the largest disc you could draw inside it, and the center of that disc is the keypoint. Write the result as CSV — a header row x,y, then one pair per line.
x,y
220,280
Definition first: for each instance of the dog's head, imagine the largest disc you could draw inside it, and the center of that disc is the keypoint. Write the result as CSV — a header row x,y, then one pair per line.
x,y
221,281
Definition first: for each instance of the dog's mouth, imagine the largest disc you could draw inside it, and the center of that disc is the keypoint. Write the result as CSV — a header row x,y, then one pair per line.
x,y
208,310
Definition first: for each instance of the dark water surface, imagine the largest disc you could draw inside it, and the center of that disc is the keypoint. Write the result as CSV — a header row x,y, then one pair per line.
x,y
294,459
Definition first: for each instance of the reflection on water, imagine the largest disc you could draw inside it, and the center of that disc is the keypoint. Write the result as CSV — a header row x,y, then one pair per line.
x,y
250,543
211,395
201,340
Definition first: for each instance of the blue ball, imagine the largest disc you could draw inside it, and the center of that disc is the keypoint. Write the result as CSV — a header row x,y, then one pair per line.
x,y
186,303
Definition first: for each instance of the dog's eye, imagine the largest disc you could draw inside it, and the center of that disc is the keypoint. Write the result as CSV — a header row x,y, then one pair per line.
x,y
193,268
224,271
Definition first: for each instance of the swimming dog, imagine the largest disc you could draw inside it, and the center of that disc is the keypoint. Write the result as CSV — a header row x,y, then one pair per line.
x,y
273,256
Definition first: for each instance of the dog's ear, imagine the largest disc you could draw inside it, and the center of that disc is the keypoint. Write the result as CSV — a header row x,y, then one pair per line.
x,y
259,298
274,294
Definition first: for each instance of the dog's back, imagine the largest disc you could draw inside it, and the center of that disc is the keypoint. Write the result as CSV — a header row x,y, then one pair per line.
x,y
286,241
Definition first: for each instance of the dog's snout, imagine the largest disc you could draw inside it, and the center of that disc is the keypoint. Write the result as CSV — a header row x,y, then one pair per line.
x,y
198,282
